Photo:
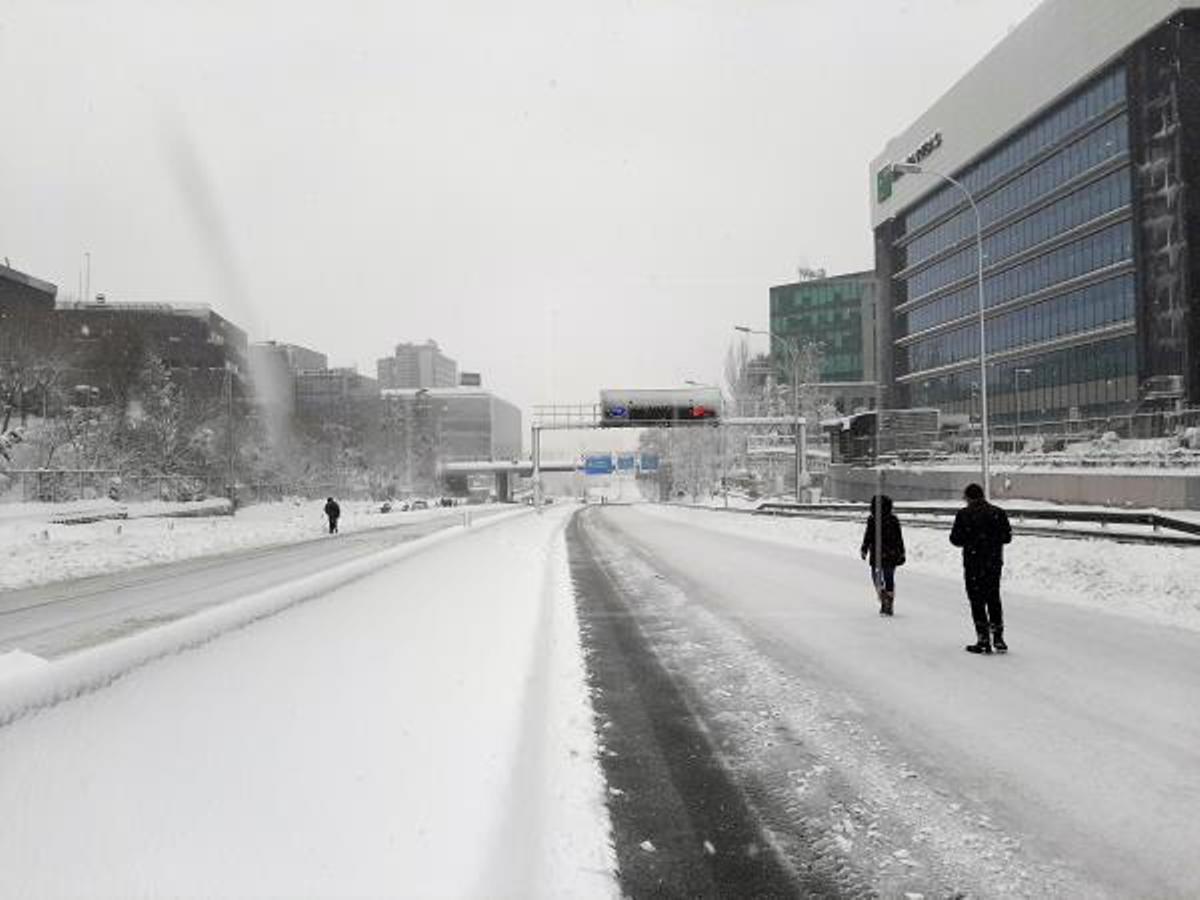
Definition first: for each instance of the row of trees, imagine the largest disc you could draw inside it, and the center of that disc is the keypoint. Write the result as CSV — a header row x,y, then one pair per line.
x,y
160,425
698,461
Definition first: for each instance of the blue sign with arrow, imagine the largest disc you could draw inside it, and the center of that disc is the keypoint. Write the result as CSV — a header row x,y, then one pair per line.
x,y
598,464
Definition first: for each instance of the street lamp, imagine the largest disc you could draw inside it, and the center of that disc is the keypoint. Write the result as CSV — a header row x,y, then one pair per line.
x,y
909,168
1017,373
794,348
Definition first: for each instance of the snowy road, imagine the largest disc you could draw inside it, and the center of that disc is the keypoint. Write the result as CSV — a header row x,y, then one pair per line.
x,y
54,619
878,752
421,732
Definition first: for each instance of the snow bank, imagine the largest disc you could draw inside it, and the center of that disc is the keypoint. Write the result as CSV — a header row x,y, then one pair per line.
x,y
26,687
33,550
422,732
1151,583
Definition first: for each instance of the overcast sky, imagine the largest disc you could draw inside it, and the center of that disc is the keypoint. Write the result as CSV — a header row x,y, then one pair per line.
x,y
565,195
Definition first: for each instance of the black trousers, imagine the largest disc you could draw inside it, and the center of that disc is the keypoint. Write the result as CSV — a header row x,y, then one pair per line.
x,y
333,524
983,590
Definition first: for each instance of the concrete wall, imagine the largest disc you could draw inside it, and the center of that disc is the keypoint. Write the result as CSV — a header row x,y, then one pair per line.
x,y
1126,490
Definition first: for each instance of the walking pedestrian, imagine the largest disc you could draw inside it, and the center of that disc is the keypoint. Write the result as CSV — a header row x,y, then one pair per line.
x,y
334,512
883,545
982,530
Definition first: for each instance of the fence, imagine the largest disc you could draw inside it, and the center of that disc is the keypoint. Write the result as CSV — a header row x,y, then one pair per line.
x,y
1045,442
66,485
1150,527
69,485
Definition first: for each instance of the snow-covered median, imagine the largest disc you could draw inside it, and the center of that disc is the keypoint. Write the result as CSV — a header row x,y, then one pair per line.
x,y
423,731
34,550
1152,583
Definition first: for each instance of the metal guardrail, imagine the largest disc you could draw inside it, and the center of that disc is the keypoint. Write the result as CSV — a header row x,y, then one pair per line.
x,y
1163,529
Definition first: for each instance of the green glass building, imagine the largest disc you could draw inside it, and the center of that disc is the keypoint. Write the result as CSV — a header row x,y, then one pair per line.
x,y
838,315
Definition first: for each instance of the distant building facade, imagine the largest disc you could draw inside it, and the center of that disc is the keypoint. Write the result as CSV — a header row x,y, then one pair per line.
x,y
339,395
273,370
423,428
417,366
837,315
23,295
26,311
110,342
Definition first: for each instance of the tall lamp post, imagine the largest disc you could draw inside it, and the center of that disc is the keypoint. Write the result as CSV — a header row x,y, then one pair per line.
x,y
801,444
1017,373
908,168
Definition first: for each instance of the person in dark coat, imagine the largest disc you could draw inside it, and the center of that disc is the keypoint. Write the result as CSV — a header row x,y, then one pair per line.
x,y
883,545
334,512
982,530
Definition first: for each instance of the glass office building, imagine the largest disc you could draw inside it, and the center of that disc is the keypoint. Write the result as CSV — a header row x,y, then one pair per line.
x,y
838,315
1079,155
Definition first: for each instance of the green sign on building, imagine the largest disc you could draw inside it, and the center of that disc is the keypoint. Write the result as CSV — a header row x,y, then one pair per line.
x,y
883,184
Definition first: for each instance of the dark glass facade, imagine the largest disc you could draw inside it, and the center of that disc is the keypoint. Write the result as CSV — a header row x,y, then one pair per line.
x,y
1057,204
1090,229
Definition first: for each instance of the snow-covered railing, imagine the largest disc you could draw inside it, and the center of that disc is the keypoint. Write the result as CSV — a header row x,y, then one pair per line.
x,y
1066,521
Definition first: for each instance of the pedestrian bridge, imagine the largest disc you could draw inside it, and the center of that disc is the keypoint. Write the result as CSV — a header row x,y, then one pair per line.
x,y
510,467
505,470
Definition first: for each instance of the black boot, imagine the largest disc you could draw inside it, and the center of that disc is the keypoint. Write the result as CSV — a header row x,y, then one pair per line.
x,y
981,645
888,598
998,640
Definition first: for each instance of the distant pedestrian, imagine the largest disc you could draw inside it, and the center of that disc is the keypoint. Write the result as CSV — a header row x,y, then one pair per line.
x,y
982,530
334,512
883,545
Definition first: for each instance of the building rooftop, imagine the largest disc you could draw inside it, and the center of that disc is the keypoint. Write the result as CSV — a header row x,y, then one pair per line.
x,y
7,273
198,310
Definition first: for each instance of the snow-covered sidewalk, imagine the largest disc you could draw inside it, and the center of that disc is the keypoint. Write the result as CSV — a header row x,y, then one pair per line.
x,y
34,550
1151,583
423,732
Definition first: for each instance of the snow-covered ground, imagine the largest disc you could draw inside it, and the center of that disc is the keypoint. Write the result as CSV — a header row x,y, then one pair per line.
x,y
1153,583
104,508
423,731
34,550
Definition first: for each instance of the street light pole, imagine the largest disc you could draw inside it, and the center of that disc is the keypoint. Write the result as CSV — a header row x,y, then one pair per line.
x,y
793,347
908,168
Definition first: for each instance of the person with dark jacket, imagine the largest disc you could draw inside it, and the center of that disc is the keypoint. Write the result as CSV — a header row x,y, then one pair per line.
x,y
334,512
883,543
982,530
